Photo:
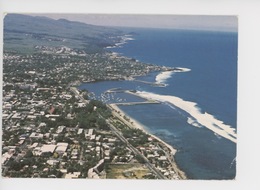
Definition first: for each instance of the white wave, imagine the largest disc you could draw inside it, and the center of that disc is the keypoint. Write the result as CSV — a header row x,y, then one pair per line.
x,y
108,47
204,119
163,76
182,69
129,39
193,122
217,135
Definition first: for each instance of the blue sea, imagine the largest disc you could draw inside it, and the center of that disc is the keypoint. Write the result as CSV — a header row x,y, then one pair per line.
x,y
210,83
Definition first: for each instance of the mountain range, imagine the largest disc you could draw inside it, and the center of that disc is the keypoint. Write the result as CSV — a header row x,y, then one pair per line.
x,y
23,32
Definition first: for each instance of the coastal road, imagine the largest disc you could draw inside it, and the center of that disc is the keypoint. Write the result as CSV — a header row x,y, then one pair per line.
x,y
169,156
122,138
134,150
76,92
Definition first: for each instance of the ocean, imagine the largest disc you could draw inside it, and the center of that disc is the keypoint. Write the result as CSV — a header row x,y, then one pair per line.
x,y
198,112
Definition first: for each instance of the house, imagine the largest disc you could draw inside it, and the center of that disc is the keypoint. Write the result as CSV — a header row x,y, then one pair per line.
x,y
35,135
52,115
31,117
80,131
81,105
92,137
112,140
73,175
42,125
60,129
21,142
74,152
61,148
162,158
150,156
52,162
98,149
47,135
93,172
34,145
98,138
42,89
106,152
47,148
16,116
37,151
89,133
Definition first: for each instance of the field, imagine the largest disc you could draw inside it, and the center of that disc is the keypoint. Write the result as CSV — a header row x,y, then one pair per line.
x,y
126,171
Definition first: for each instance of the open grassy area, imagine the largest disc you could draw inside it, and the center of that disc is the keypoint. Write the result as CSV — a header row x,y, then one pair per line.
x,y
126,171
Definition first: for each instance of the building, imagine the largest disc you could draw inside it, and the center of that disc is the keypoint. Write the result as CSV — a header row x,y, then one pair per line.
x,y
73,175
36,135
80,131
61,148
60,129
47,148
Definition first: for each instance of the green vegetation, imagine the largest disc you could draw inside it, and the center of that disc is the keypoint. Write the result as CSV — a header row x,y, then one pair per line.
x,y
23,32
50,128
136,136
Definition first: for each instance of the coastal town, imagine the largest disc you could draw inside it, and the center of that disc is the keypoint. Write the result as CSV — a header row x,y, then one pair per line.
x,y
53,130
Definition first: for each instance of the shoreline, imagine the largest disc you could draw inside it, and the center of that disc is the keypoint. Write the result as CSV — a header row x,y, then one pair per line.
x,y
132,123
201,119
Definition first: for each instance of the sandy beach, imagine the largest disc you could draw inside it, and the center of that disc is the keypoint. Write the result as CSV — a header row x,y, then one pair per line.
x,y
135,124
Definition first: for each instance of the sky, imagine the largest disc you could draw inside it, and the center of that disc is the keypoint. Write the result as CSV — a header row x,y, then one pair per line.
x,y
198,22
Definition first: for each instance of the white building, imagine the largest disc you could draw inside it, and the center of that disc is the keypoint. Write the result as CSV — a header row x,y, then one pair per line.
x,y
80,131
90,133
60,129
73,175
61,148
36,135
48,148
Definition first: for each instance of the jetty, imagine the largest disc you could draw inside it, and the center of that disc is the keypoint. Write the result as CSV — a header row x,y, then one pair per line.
x,y
136,103
132,92
151,83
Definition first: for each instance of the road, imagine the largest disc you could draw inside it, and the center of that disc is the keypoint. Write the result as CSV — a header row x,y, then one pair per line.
x,y
76,92
134,150
123,139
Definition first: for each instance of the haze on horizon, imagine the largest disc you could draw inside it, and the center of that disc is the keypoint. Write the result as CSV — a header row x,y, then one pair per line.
x,y
191,22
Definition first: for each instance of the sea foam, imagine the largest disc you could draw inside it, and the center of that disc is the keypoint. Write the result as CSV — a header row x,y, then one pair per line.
x,y
198,118
163,76
182,69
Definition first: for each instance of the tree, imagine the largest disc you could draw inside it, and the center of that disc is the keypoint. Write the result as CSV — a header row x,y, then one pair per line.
x,y
140,159
13,165
28,154
102,124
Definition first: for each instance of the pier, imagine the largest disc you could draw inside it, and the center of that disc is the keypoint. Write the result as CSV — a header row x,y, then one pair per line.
x,y
116,90
132,92
136,103
151,83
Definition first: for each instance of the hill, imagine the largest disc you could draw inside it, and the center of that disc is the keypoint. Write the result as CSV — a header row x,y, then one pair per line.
x,y
23,32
